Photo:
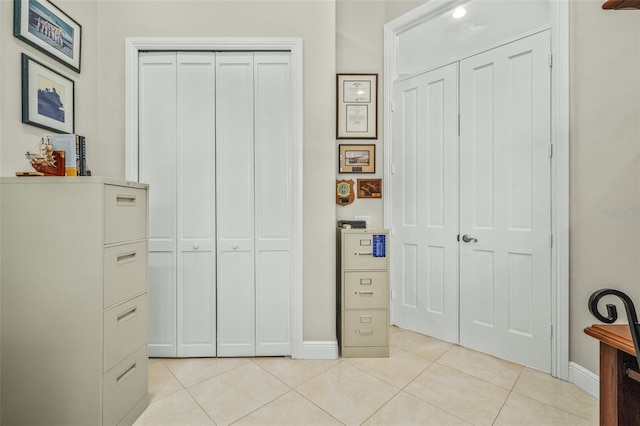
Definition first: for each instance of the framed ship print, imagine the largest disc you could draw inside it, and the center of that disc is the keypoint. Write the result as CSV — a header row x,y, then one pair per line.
x,y
357,109
47,97
42,25
357,159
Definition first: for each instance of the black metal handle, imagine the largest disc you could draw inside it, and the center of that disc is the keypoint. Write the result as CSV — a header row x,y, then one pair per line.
x,y
612,313
469,239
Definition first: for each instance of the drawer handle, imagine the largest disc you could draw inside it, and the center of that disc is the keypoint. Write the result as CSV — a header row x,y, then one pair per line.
x,y
366,281
365,319
365,242
364,331
364,292
362,254
125,375
126,200
126,316
126,257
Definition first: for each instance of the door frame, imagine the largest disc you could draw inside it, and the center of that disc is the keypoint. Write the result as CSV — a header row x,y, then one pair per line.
x,y
559,26
133,45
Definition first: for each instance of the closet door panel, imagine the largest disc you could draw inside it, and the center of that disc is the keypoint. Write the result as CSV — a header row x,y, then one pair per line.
x,y
273,185
196,305
157,167
235,204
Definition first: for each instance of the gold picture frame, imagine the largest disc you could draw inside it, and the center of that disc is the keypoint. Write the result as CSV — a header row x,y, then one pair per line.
x,y
357,108
357,159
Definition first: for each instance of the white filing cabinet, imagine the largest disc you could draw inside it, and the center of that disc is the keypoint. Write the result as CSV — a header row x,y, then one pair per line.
x,y
362,293
74,300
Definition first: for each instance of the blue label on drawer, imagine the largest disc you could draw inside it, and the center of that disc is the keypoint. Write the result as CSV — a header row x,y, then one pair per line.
x,y
379,245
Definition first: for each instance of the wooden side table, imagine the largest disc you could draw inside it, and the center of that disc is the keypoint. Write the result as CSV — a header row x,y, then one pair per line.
x,y
619,389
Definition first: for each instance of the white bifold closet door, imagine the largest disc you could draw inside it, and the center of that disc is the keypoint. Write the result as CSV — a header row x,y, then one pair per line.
x,y
217,196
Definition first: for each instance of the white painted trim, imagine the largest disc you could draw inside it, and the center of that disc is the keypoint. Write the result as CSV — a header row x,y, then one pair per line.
x,y
584,379
320,350
133,45
560,161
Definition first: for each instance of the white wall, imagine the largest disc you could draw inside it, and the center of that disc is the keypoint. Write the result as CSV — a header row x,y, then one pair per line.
x,y
605,164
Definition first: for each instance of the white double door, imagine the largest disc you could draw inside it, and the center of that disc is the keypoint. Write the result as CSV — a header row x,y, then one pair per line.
x,y
215,147
471,224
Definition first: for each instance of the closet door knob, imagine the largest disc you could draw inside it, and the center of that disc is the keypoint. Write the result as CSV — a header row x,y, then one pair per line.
x,y
234,246
196,246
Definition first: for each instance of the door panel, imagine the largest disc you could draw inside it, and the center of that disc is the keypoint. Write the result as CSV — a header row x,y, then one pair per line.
x,y
196,285
157,167
505,198
425,216
273,185
235,204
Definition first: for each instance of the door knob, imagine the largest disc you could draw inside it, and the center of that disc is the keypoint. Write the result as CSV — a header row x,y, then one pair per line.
x,y
468,239
234,246
196,246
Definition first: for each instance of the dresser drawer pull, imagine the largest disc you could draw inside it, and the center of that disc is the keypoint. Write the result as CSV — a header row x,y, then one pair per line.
x,y
365,319
126,316
126,257
366,281
364,292
365,242
359,253
364,331
126,200
126,374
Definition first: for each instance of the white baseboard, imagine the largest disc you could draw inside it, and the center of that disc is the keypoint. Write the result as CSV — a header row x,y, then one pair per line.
x,y
584,379
320,349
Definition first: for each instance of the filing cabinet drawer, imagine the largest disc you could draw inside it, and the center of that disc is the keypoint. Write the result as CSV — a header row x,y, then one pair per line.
x,y
365,327
125,272
358,253
125,329
125,214
123,386
367,289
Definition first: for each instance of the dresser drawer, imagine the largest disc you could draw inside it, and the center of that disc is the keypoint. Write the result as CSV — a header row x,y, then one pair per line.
x,y
366,289
123,386
365,327
359,252
125,214
125,272
125,329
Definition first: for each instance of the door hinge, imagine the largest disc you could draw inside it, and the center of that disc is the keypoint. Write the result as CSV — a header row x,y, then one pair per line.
x,y
393,294
550,60
458,124
551,331
393,169
550,150
550,240
393,106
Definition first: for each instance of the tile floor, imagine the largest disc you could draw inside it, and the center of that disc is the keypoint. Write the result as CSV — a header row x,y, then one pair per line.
x,y
423,382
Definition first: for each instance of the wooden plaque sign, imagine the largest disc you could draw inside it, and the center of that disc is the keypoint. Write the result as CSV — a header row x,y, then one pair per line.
x,y
344,192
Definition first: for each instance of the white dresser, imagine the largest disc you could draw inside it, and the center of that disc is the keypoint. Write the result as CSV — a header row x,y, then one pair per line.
x,y
362,293
73,313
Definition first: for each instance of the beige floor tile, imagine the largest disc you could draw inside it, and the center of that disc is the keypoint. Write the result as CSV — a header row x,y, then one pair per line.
x,y
347,393
520,410
176,409
290,409
486,367
232,395
398,369
190,371
424,346
294,372
161,381
468,397
407,410
556,393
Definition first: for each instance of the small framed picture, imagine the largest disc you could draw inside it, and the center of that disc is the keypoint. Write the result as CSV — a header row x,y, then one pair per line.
x,y
357,109
369,188
47,97
357,159
41,24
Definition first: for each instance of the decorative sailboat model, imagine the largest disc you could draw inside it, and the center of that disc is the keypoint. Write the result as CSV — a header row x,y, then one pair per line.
x,y
44,160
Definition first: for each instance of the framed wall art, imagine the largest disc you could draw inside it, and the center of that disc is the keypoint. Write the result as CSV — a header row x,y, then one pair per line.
x,y
369,188
47,97
357,109
357,159
41,24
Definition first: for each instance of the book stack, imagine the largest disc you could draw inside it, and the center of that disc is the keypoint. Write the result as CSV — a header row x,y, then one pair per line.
x,y
75,152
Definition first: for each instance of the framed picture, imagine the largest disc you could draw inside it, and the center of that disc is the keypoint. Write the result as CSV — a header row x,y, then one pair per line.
x,y
47,97
357,159
47,28
369,188
357,109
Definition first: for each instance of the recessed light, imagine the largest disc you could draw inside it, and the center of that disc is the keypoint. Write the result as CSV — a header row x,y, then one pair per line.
x,y
459,13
